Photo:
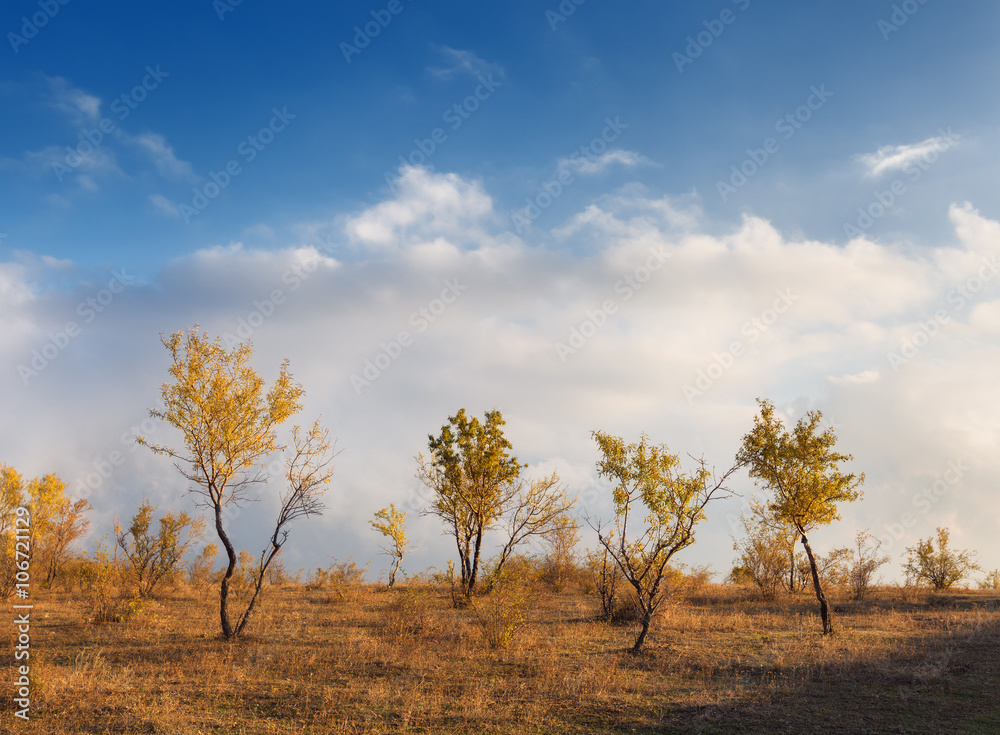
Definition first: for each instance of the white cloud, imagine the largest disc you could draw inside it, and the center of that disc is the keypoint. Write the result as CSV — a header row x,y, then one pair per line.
x,y
427,207
80,107
868,376
598,164
162,155
461,62
260,230
164,206
897,157
63,165
493,346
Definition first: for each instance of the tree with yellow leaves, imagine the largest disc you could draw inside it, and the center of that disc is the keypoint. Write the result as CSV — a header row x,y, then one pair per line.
x,y
392,524
474,478
229,425
11,496
56,522
802,470
648,480
152,556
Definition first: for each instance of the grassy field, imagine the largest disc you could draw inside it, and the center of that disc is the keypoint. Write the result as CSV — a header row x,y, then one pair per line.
x,y
374,661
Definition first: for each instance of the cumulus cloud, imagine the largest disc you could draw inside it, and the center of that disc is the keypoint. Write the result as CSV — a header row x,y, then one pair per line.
x,y
426,207
640,317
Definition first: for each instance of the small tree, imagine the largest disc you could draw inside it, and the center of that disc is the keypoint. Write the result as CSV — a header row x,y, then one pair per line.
x,y
392,524
56,522
802,470
761,556
607,578
11,496
834,568
308,474
991,581
865,561
151,557
534,512
229,425
561,539
941,567
474,478
647,479
200,569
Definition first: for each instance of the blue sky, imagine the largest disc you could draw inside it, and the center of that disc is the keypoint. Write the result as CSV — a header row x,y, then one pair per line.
x,y
828,148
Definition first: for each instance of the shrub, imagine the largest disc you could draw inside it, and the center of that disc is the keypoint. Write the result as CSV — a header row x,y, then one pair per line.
x,y
991,582
865,561
607,581
277,574
941,567
340,580
200,570
762,559
107,588
503,612
560,567
155,556
520,568
696,579
408,615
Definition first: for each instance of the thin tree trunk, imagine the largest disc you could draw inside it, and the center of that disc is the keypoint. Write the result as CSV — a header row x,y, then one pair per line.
x,y
475,563
253,601
824,608
227,628
392,571
647,617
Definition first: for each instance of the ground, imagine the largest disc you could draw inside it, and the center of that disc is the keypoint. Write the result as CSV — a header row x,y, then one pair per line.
x,y
362,659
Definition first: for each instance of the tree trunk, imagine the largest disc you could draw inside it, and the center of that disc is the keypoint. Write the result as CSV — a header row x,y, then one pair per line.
x,y
227,628
392,571
647,617
824,608
475,563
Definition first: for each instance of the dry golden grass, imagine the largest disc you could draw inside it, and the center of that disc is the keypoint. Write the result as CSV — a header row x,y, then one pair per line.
x,y
377,661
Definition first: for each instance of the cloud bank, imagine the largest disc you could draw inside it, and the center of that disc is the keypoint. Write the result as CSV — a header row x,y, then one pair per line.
x,y
672,329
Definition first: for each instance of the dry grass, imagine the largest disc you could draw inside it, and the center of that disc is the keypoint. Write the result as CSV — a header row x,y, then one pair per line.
x,y
376,661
